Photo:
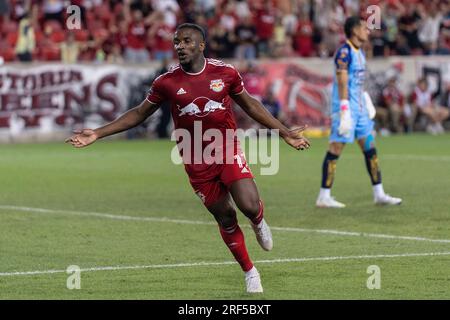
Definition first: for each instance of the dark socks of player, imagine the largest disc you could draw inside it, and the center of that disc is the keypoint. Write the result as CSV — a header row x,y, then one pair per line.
x,y
257,220
372,165
329,169
234,239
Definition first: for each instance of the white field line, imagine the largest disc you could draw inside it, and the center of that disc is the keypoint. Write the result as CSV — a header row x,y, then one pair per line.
x,y
181,221
103,215
202,264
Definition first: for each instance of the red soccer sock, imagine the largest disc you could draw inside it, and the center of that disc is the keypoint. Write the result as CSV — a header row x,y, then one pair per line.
x,y
257,220
234,239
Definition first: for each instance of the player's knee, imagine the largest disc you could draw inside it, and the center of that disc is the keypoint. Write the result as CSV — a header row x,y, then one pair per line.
x,y
227,218
368,143
250,207
336,148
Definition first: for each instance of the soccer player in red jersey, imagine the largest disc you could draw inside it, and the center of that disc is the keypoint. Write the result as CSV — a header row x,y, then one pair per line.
x,y
200,92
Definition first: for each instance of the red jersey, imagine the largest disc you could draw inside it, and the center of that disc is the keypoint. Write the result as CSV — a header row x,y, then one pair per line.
x,y
303,38
265,23
200,99
163,38
136,35
392,95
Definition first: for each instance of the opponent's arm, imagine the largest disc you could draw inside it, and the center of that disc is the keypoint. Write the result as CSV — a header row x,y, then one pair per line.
x,y
129,119
256,111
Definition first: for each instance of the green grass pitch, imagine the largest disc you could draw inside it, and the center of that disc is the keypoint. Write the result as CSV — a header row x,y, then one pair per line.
x,y
85,191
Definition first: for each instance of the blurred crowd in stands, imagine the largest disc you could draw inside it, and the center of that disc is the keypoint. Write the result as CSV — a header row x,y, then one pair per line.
x,y
421,106
137,31
141,30
422,109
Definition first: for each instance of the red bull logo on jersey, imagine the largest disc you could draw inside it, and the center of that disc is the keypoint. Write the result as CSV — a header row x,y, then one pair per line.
x,y
200,107
217,85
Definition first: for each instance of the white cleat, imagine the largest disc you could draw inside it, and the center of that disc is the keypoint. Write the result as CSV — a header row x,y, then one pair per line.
x,y
387,200
263,235
253,281
328,202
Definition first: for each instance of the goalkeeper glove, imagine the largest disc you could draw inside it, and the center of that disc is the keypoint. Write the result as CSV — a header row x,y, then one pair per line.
x,y
345,119
369,105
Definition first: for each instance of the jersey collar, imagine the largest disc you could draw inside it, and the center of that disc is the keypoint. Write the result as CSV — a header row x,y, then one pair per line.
x,y
352,45
197,73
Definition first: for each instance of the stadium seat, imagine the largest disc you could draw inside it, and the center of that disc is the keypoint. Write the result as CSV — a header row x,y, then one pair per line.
x,y
8,54
39,36
95,24
90,18
10,26
51,53
11,38
100,33
81,35
58,36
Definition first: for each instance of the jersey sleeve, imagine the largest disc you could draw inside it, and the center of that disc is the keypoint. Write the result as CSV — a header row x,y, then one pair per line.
x,y
237,84
342,59
156,92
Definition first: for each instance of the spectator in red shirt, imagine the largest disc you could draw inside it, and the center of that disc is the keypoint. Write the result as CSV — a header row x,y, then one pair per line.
x,y
391,110
252,79
135,50
160,39
304,36
265,24
119,34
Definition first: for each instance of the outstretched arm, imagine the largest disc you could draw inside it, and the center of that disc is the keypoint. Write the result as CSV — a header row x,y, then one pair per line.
x,y
129,119
256,111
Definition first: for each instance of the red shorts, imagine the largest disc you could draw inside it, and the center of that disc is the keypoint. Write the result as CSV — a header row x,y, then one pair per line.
x,y
212,182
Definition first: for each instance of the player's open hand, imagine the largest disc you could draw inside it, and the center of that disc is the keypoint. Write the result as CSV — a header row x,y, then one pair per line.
x,y
296,139
82,138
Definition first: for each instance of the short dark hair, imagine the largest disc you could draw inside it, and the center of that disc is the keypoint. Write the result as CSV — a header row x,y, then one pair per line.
x,y
423,79
193,26
350,24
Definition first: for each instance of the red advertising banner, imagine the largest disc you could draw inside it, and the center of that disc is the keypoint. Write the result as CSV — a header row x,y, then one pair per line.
x,y
304,95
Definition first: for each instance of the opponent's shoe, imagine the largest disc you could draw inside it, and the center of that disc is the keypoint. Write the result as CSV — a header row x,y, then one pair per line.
x,y
328,202
263,235
253,281
386,199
